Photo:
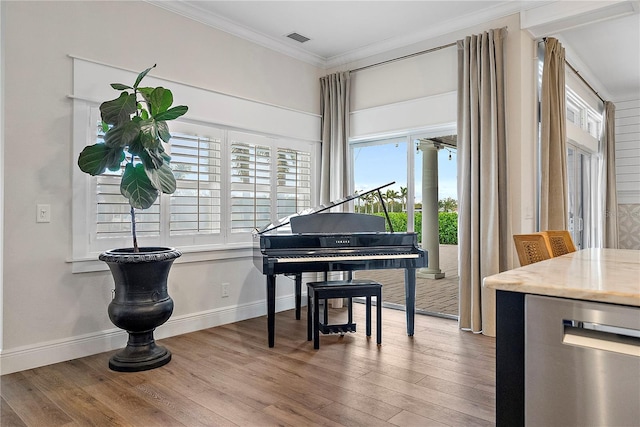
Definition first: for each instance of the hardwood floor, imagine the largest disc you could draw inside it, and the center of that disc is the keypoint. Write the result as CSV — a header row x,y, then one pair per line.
x,y
227,376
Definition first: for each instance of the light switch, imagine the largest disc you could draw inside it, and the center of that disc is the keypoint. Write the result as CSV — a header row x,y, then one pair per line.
x,y
43,213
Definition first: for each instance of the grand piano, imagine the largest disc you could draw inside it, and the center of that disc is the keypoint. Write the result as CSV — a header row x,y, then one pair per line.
x,y
321,241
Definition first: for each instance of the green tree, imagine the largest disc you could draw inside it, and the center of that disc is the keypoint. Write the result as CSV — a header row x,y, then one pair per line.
x,y
448,205
390,197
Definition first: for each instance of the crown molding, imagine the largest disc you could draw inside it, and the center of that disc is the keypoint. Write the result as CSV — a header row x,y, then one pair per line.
x,y
443,28
191,10
540,18
552,18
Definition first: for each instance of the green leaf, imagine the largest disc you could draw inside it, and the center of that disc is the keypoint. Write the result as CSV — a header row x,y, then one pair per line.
x,y
149,133
137,187
120,86
95,159
136,147
167,179
152,159
160,99
118,110
141,76
145,91
122,135
154,179
115,166
163,131
172,113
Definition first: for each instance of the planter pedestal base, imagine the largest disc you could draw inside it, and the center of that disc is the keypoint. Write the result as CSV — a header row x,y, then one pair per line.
x,y
140,354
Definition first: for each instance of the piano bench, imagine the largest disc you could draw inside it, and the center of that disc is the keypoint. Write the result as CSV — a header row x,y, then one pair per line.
x,y
317,291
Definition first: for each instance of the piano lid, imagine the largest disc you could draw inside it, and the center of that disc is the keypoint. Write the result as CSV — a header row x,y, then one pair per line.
x,y
311,211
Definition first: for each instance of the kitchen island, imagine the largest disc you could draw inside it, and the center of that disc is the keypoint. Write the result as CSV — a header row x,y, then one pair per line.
x,y
596,281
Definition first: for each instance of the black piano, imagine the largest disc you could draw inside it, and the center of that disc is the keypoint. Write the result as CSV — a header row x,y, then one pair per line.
x,y
322,241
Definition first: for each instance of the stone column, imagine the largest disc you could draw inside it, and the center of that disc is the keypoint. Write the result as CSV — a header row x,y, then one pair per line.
x,y
430,228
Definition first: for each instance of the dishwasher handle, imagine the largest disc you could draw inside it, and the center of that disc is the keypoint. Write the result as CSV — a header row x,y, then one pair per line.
x,y
601,337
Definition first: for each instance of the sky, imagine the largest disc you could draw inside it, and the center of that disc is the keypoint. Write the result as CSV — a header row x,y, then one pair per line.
x,y
380,164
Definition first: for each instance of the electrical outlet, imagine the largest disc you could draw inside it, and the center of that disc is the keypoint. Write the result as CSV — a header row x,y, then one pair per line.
x,y
224,290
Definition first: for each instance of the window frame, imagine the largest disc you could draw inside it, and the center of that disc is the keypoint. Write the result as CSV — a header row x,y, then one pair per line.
x,y
195,247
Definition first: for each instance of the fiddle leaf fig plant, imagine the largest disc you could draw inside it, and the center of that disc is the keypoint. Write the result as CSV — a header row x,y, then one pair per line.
x,y
135,126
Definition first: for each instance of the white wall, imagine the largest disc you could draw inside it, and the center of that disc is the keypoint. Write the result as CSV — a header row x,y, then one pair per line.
x,y
51,314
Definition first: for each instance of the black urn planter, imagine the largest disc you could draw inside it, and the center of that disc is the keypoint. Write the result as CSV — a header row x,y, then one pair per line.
x,y
140,304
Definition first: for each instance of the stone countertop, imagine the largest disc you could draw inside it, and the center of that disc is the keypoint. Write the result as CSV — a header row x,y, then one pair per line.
x,y
601,275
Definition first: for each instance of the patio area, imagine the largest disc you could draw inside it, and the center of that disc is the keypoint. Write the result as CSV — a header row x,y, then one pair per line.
x,y
433,296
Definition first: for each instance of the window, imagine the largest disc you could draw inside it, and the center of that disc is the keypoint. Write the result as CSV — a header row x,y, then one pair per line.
x,y
216,204
584,125
250,183
195,205
239,164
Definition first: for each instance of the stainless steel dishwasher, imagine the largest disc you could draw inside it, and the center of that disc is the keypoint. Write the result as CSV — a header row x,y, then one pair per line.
x,y
582,363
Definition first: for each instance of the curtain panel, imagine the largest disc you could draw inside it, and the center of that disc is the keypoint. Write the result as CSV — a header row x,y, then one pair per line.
x,y
608,176
335,166
483,227
554,207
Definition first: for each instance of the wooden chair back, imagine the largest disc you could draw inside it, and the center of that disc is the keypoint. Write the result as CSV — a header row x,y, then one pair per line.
x,y
532,248
560,242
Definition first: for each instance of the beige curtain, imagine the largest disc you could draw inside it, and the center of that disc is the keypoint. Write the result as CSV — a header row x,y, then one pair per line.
x,y
483,228
335,165
553,140
610,220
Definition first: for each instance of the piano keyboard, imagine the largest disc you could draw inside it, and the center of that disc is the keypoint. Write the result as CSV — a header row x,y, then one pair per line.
x,y
333,258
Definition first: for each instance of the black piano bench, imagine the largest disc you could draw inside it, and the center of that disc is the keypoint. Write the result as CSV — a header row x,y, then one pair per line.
x,y
317,291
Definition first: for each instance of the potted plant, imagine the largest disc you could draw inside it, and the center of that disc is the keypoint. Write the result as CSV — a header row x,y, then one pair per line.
x,y
135,126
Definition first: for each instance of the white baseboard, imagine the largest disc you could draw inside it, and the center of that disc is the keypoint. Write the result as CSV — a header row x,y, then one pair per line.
x,y
47,353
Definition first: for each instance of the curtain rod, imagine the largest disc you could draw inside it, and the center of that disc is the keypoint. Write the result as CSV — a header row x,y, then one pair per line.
x,y
583,80
544,39
433,49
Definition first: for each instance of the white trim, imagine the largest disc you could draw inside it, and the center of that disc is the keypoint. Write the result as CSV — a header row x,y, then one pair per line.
x,y
41,354
189,254
553,17
91,82
2,92
192,10
178,82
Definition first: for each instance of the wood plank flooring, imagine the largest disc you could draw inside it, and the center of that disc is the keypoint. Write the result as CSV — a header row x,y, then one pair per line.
x,y
227,376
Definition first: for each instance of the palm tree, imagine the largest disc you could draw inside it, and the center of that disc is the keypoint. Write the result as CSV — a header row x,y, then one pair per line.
x,y
403,195
391,196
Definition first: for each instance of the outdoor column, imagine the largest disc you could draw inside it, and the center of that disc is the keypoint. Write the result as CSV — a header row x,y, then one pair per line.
x,y
430,228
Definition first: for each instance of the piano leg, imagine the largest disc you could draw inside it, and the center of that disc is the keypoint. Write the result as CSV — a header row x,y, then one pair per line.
x,y
271,308
298,294
410,298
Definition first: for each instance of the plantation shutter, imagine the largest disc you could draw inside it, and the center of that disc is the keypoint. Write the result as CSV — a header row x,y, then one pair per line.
x,y
195,205
250,184
294,181
113,212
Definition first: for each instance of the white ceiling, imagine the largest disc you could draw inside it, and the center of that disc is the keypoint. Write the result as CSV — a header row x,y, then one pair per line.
x,y
602,38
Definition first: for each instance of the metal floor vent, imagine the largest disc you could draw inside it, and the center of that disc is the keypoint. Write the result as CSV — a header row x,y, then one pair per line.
x,y
298,37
